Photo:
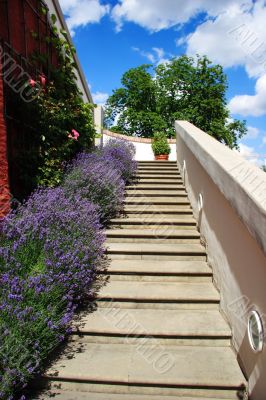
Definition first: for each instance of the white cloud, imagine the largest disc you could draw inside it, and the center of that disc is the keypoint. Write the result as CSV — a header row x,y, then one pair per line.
x,y
249,154
237,36
100,98
252,132
156,56
155,15
233,32
83,12
253,105
150,56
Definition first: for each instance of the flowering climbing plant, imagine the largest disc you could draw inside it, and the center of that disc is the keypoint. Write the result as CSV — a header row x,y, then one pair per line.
x,y
59,123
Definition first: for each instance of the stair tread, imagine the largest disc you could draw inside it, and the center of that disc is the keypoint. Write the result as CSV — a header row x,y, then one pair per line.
x,y
76,395
157,200
160,267
154,248
156,209
154,218
160,291
151,210
158,176
174,233
182,323
155,185
158,167
150,193
116,363
141,179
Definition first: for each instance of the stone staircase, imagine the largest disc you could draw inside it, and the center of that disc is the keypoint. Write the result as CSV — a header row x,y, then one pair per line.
x,y
157,332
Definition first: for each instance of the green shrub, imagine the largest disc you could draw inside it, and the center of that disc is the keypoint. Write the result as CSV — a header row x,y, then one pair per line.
x,y
160,145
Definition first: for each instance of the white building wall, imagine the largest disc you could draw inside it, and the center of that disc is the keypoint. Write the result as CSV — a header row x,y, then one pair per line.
x,y
143,150
98,118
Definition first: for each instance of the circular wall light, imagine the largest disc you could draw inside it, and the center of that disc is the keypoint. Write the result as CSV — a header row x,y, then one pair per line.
x,y
200,202
255,331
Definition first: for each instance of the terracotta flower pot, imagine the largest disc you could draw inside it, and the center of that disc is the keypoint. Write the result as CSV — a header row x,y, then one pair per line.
x,y
162,157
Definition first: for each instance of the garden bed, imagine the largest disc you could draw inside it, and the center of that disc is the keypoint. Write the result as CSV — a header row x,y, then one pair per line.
x,y
51,251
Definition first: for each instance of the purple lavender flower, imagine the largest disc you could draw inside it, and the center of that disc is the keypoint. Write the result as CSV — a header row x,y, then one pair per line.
x,y
49,256
96,178
122,153
51,249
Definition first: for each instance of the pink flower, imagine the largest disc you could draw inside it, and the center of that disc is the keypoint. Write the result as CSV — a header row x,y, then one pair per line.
x,y
74,135
43,80
32,82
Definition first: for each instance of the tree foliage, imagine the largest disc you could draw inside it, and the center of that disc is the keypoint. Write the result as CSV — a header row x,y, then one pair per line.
x,y
151,99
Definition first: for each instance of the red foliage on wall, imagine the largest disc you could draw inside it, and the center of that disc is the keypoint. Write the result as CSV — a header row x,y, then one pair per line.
x,y
25,31
4,185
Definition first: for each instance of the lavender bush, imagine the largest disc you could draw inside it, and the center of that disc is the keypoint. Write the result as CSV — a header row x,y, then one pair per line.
x,y
96,178
122,153
51,249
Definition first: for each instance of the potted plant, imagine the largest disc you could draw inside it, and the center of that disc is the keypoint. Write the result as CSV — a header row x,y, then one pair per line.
x,y
160,146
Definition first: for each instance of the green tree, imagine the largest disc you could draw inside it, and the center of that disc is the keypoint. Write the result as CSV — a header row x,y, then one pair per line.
x,y
135,104
185,88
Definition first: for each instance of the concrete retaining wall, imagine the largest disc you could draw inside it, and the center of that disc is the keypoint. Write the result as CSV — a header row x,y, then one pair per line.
x,y
233,224
143,146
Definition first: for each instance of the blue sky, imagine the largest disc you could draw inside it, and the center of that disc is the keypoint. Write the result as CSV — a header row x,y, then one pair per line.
x,y
112,36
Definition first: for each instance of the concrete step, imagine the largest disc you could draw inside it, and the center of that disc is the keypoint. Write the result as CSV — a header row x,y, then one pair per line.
x,y
165,226
158,176
156,219
143,249
149,233
158,167
149,236
58,394
150,192
101,391
164,324
157,200
162,268
160,271
154,170
146,214
155,162
159,208
156,181
162,327
152,240
159,172
156,292
156,186
149,209
158,368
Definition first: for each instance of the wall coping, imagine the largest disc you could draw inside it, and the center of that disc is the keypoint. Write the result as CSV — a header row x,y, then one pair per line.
x,y
79,70
133,138
242,183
